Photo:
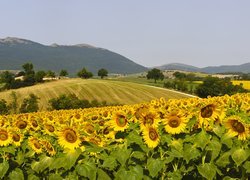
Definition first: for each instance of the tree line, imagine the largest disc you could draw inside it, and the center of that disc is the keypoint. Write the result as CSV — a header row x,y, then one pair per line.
x,y
210,86
31,103
28,76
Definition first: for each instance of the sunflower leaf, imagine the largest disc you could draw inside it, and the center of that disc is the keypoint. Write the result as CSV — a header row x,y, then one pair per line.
x,y
110,163
247,166
202,139
214,146
17,174
207,170
239,156
42,164
154,166
71,158
4,168
87,169
102,175
223,160
190,152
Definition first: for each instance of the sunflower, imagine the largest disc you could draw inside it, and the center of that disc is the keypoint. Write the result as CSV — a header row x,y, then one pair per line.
x,y
69,139
48,147
88,128
21,124
151,118
119,121
175,122
5,137
49,129
35,145
236,127
17,139
210,113
151,136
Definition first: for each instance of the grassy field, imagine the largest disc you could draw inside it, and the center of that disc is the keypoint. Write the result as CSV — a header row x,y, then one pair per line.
x,y
102,90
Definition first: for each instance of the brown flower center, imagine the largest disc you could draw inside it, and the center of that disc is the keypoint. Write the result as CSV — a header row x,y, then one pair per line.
x,y
94,118
238,126
77,116
16,137
21,124
207,111
174,122
34,123
50,128
153,135
121,120
37,145
3,135
148,119
70,135
106,131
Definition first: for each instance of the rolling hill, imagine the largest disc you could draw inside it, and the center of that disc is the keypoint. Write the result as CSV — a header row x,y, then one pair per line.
x,y
244,68
101,90
14,52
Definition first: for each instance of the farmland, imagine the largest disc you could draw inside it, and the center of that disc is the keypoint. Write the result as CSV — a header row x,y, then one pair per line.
x,y
115,92
176,139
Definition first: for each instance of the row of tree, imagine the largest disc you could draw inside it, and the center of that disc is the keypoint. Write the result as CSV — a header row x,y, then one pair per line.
x,y
30,104
28,76
211,86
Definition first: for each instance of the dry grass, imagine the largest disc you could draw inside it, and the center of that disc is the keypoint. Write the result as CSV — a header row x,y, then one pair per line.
x,y
101,90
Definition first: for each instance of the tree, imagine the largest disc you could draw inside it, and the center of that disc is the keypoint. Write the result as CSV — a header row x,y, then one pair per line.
x,y
63,72
13,105
8,79
3,107
84,74
51,74
29,77
29,104
39,76
179,75
155,74
213,86
28,69
102,73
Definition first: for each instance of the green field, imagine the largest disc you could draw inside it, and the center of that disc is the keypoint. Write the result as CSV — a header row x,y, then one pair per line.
x,y
115,92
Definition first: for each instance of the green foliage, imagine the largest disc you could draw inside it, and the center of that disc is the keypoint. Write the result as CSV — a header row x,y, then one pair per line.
x,y
155,74
102,72
63,72
39,76
50,74
8,79
84,74
72,102
29,104
213,86
3,107
13,104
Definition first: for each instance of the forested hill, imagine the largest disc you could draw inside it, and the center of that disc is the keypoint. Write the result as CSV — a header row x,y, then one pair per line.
x,y
14,52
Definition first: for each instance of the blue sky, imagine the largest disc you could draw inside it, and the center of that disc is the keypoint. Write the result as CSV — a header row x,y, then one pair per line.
x,y
151,33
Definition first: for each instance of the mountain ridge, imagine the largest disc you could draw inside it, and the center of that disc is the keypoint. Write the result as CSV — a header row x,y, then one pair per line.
x,y
14,52
244,68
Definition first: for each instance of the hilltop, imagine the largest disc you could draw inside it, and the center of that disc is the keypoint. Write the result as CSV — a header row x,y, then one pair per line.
x,y
114,92
14,52
244,68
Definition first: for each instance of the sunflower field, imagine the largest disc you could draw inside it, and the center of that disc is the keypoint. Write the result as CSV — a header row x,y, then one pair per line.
x,y
176,139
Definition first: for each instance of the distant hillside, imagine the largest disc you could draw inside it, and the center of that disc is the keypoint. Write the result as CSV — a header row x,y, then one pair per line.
x,y
245,68
14,52
101,90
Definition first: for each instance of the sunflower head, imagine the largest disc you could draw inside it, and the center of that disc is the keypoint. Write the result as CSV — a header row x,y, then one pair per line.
x,y
236,127
5,137
21,124
48,147
119,121
35,145
151,137
175,122
69,139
